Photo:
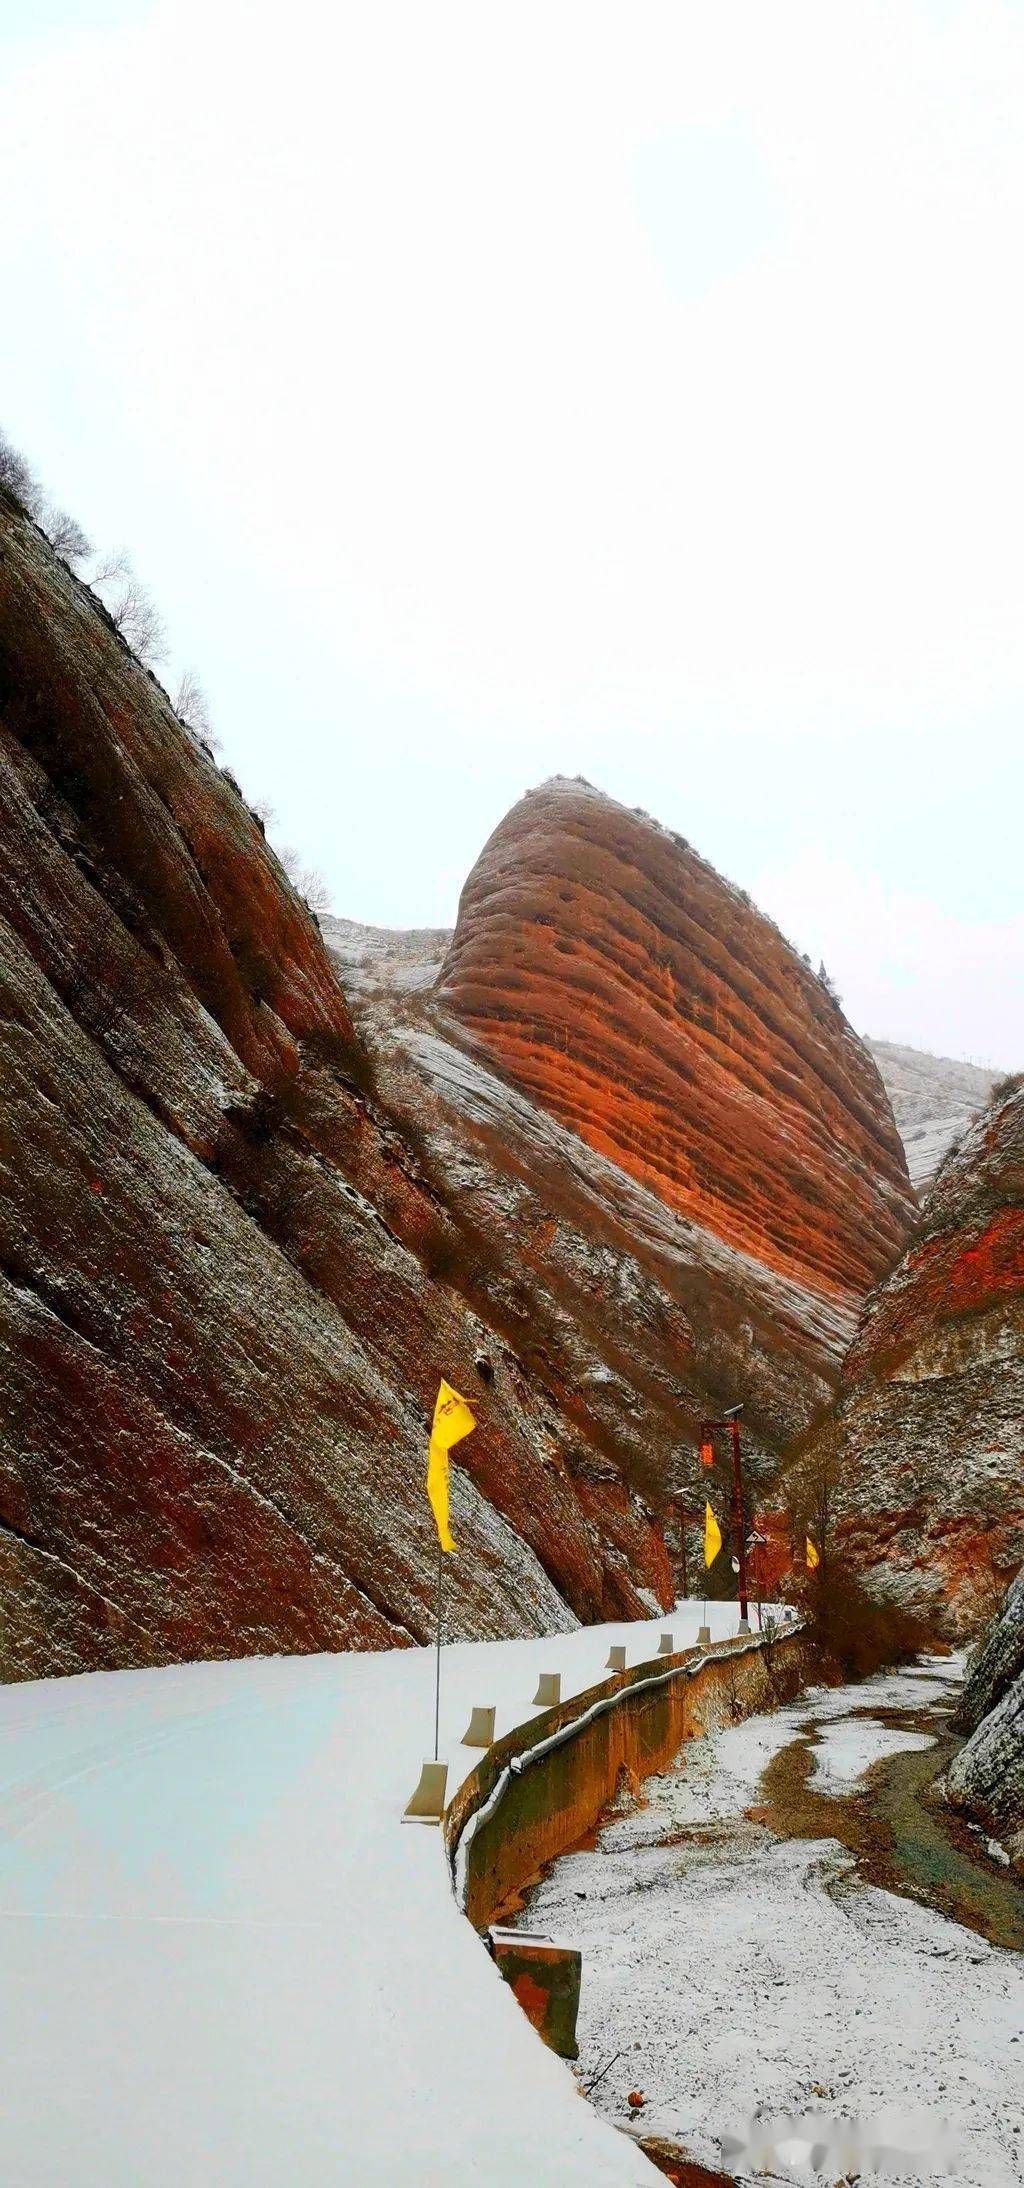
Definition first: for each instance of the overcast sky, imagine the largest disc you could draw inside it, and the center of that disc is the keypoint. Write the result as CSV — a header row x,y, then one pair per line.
x,y
635,391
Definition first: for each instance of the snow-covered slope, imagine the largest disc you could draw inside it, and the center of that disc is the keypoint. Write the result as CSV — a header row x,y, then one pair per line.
x,y
933,1100
226,1960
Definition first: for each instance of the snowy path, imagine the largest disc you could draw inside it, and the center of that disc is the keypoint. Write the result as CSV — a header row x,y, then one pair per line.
x,y
736,1971
226,1961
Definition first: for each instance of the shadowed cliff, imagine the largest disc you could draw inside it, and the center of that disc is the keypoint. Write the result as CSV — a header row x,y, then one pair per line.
x,y
219,1341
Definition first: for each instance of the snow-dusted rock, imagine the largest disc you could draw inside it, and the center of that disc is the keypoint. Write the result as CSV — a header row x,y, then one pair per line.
x,y
931,1408
986,1778
934,1100
229,1282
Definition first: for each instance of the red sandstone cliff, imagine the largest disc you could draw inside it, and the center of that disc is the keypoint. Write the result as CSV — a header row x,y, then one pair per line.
x,y
636,1085
241,1238
223,1306
622,982
930,1469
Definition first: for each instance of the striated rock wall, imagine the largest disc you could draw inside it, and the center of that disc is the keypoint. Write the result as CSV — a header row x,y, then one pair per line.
x,y
641,1321
625,985
931,1409
986,1778
593,950
223,1313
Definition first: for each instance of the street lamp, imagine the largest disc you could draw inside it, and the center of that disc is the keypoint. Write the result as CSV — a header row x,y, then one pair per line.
x,y
730,1420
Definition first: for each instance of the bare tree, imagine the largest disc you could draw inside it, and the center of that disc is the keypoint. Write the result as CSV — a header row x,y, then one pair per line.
x,y
192,708
314,886
139,621
113,568
19,480
131,608
66,536
307,880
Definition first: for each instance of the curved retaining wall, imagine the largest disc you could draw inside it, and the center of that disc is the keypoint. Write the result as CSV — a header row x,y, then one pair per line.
x,y
541,1787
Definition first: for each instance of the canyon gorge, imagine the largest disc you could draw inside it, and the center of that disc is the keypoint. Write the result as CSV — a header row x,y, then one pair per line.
x,y
608,1156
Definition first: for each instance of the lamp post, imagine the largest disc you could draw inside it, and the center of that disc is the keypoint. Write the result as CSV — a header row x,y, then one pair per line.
x,y
730,1420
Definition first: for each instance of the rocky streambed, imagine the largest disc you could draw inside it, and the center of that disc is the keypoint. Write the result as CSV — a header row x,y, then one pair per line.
x,y
792,1925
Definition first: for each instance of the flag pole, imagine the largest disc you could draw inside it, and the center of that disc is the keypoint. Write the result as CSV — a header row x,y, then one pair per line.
x,y
437,1681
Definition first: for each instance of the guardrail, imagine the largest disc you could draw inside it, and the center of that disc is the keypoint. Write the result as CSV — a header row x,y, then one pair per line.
x,y
533,1796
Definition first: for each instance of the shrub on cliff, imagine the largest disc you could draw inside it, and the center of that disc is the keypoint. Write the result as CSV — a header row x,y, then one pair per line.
x,y
856,1631
1011,1084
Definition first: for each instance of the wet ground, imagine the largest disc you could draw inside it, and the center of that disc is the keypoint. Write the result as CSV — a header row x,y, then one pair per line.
x,y
791,1923
895,1821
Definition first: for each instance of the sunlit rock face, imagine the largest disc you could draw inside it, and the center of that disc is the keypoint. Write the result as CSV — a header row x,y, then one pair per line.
x,y
932,1401
620,981
659,1129
223,1312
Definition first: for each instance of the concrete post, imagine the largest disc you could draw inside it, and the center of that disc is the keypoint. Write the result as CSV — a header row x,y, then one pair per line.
x,y
427,1803
480,1732
549,1690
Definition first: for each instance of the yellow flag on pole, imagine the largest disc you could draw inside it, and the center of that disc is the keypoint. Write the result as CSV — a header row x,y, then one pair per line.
x,y
712,1536
452,1420
812,1556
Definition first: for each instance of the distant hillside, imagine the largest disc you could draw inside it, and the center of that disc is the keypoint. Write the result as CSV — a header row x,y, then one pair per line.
x,y
934,1099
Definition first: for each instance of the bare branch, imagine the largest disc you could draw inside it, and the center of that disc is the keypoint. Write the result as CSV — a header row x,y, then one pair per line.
x,y
137,618
113,568
314,886
307,880
192,708
66,536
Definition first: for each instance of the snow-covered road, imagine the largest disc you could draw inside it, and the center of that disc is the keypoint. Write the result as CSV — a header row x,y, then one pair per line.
x,y
227,1961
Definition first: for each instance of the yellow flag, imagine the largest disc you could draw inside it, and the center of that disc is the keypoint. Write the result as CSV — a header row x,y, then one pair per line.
x,y
712,1536
812,1556
452,1421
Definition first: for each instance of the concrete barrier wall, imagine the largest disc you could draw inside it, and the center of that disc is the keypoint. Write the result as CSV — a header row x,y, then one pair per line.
x,y
546,1803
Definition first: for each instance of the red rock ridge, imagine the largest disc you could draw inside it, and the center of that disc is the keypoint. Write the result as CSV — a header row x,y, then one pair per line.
x,y
618,979
931,1406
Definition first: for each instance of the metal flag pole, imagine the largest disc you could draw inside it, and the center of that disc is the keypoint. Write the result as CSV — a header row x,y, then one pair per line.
x,y
437,1681
737,1491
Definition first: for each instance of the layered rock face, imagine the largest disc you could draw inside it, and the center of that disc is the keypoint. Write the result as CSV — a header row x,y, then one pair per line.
x,y
223,1306
622,983
629,1077
986,1778
243,1232
931,1410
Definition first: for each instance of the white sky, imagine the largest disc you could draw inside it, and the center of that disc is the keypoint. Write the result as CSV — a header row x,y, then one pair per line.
x,y
634,391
